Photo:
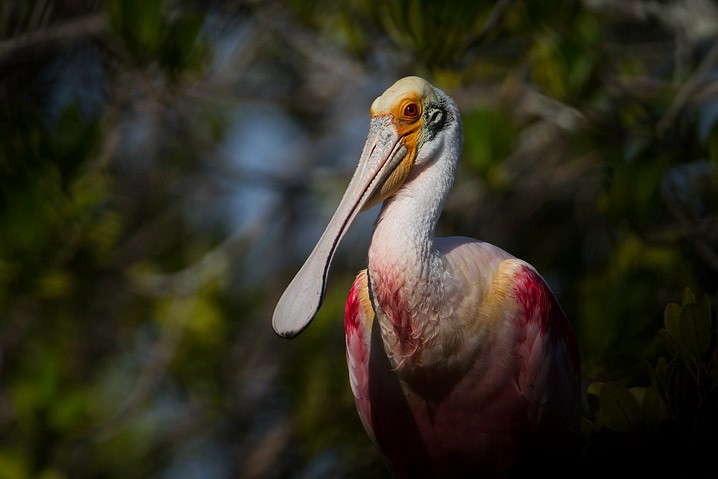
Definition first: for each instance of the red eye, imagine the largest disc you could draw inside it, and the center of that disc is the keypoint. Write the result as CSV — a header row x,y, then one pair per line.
x,y
411,110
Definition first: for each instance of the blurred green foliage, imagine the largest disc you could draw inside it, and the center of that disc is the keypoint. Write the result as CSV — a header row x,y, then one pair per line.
x,y
151,31
669,427
135,336
493,134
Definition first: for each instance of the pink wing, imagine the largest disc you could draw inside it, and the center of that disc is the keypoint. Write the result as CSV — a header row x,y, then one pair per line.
x,y
358,319
550,369
390,423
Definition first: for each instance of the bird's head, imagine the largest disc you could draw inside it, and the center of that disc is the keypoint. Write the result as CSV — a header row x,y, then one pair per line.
x,y
412,123
414,119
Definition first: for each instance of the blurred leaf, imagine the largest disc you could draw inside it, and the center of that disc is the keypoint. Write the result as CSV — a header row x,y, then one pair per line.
x,y
152,35
183,49
437,33
207,324
33,395
104,234
71,414
489,140
140,24
14,464
55,284
565,59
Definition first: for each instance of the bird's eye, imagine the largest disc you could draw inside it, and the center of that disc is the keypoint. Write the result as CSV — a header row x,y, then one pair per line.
x,y
411,110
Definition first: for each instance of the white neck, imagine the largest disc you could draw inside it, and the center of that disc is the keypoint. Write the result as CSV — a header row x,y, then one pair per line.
x,y
406,226
407,274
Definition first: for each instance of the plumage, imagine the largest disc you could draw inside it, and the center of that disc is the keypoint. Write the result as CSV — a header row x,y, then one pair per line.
x,y
460,358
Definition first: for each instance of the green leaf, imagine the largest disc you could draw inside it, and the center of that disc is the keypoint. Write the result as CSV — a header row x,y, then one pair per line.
x,y
141,24
654,410
51,473
490,140
653,375
415,21
54,283
15,462
182,48
688,331
713,146
704,326
619,410
671,343
592,393
662,373
688,297
587,428
638,392
671,319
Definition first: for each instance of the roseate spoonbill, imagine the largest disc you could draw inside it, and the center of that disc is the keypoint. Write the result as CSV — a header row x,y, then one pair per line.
x,y
460,358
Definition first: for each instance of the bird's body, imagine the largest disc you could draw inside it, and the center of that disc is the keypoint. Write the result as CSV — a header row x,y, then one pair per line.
x,y
455,402
460,358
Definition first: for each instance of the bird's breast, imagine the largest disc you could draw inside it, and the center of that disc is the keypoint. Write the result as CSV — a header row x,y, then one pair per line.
x,y
415,312
392,304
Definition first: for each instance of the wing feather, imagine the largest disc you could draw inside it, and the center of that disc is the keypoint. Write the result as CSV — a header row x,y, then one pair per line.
x,y
358,319
549,378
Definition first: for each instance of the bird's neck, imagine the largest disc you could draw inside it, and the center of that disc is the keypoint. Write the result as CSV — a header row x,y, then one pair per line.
x,y
407,273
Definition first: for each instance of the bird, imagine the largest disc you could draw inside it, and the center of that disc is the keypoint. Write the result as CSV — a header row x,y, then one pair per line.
x,y
460,358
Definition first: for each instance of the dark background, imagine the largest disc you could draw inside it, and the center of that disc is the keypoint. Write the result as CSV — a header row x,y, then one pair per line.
x,y
165,167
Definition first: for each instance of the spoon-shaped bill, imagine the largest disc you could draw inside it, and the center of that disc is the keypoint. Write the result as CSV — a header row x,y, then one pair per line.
x,y
304,295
